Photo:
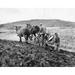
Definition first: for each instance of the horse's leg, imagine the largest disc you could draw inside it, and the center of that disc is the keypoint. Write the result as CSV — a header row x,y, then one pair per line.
x,y
20,39
34,38
25,37
39,41
30,37
42,40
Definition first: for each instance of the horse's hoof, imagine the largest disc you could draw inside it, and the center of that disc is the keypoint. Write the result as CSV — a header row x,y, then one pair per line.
x,y
26,42
20,41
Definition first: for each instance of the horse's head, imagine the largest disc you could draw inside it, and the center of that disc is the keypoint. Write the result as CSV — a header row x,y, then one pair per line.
x,y
37,28
17,27
29,26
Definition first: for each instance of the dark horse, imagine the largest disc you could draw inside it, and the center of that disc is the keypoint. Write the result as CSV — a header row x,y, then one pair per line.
x,y
26,32
34,31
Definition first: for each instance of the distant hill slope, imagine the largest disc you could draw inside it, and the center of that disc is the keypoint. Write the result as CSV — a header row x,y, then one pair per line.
x,y
47,23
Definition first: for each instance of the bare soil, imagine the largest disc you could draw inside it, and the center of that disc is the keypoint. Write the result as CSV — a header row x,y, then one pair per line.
x,y
16,54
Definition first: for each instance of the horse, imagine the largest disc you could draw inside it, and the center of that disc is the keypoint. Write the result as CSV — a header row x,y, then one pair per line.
x,y
27,32
35,30
23,32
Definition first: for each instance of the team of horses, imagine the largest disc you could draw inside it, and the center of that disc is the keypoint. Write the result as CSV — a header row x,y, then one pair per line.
x,y
39,33
27,32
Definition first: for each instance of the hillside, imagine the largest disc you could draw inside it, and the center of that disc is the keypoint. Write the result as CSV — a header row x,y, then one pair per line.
x,y
15,54
47,23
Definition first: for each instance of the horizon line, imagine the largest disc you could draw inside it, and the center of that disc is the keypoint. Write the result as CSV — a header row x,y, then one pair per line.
x,y
36,19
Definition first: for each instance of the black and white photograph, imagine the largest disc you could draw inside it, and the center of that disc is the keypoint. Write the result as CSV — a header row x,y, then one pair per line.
x,y
37,37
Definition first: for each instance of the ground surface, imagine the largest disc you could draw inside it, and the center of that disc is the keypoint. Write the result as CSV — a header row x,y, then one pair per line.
x,y
15,54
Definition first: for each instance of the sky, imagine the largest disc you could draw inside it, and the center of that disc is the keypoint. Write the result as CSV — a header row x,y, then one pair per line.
x,y
17,14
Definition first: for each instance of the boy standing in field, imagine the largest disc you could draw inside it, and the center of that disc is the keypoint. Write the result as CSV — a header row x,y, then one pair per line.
x,y
56,41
